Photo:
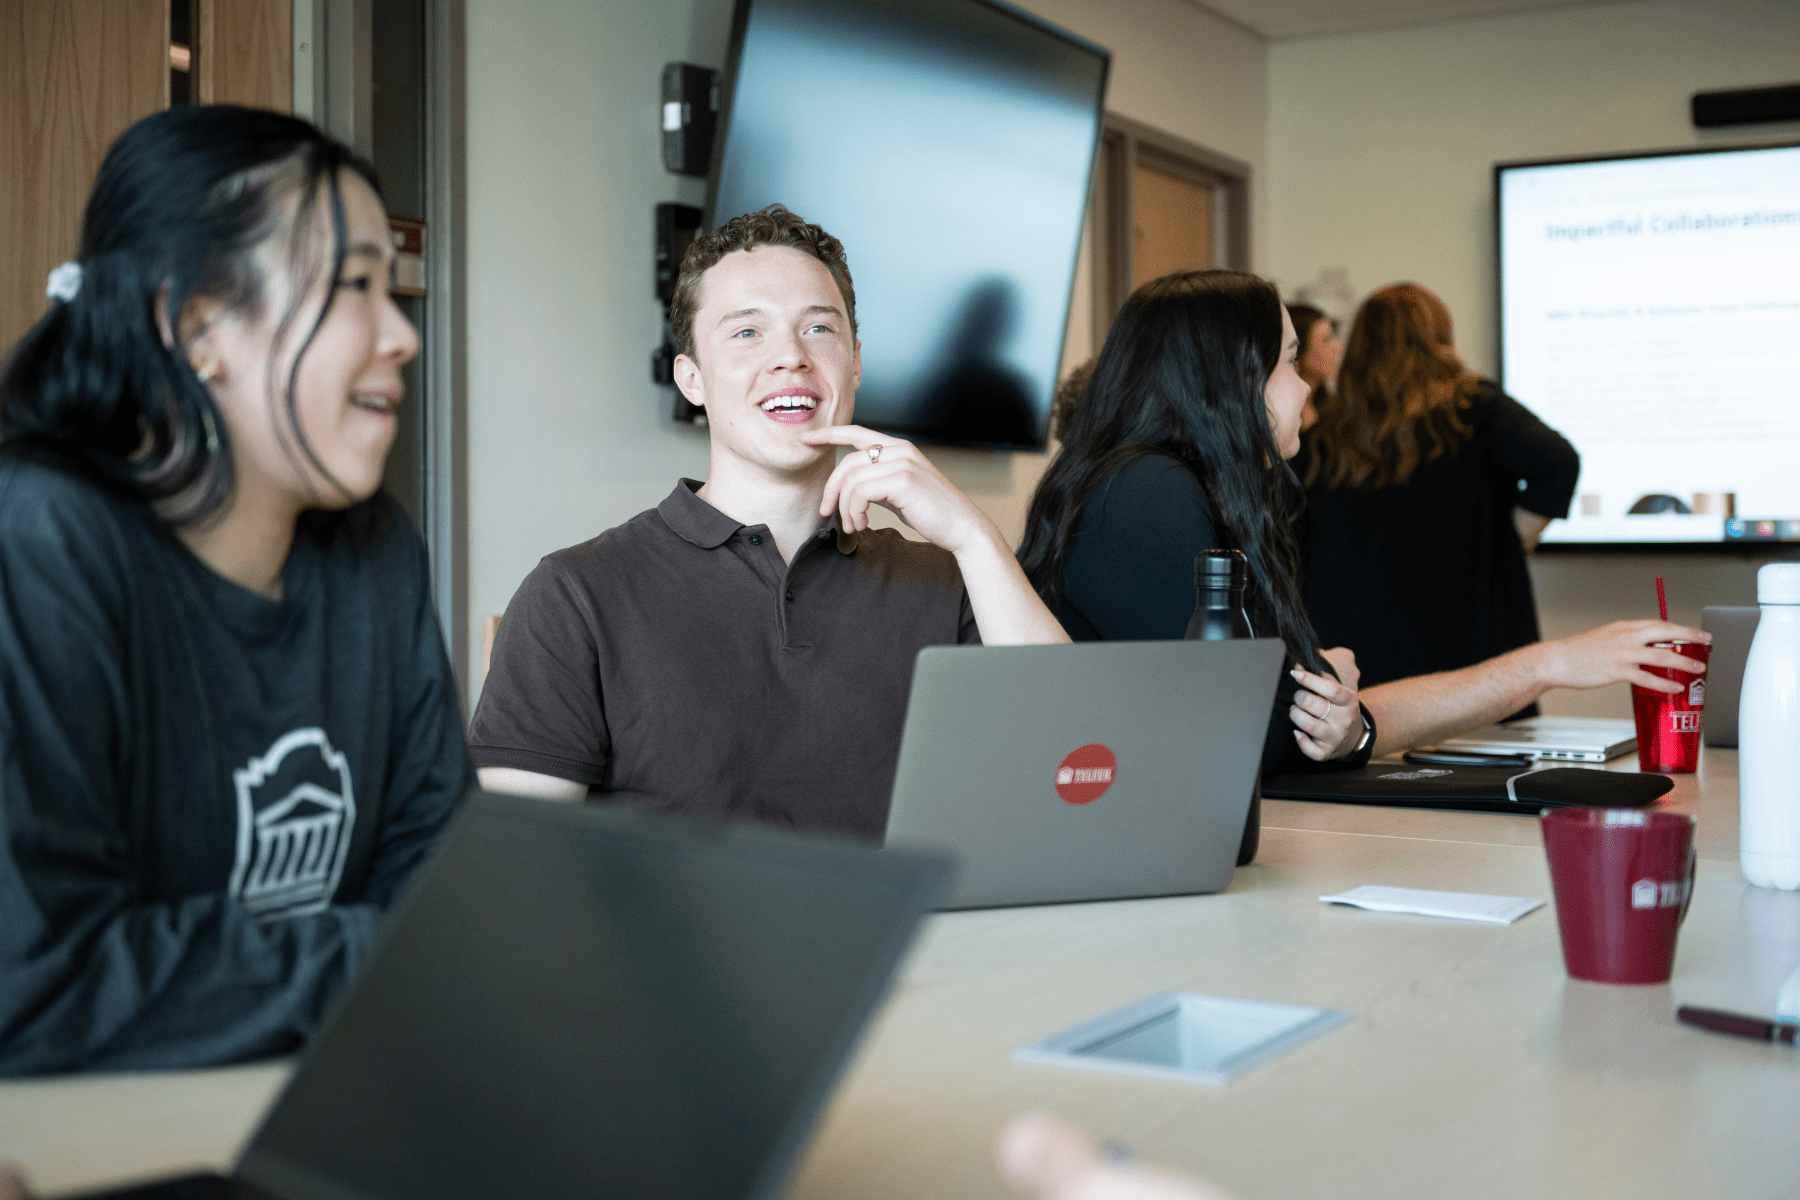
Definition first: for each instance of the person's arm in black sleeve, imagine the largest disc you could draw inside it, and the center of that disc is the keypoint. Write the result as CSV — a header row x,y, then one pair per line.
x,y
1536,455
432,770
93,976
1130,570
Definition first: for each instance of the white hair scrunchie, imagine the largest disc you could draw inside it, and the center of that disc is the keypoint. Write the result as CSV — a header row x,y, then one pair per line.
x,y
64,283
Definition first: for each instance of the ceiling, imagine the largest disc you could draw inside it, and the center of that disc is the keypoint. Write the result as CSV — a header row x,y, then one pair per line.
x,y
1280,19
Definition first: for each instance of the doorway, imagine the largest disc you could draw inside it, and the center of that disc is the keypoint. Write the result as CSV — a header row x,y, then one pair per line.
x,y
1162,204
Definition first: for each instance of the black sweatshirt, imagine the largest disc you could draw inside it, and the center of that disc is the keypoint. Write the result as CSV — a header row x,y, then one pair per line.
x,y
1129,576
205,796
1430,575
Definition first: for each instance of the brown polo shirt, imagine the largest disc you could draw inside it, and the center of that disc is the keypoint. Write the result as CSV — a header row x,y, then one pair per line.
x,y
678,662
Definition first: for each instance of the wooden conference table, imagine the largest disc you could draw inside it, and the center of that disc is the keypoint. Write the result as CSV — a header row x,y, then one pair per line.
x,y
1474,1067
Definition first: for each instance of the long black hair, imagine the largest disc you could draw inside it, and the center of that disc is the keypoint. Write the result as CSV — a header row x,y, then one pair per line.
x,y
182,202
1183,373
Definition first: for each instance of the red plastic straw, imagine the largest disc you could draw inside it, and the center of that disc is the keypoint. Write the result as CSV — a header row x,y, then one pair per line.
x,y
1662,601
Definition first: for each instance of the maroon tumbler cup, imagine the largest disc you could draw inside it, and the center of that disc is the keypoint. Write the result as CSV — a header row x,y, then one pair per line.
x,y
1668,723
1622,880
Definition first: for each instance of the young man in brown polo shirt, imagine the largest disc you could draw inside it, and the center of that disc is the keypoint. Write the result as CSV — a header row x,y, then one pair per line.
x,y
745,649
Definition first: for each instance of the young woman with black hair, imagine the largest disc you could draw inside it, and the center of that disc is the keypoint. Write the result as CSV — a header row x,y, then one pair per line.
x,y
228,727
1179,447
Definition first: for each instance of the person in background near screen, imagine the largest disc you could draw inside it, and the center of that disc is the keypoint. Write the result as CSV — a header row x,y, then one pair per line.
x,y
1320,353
228,727
745,649
1426,485
1177,449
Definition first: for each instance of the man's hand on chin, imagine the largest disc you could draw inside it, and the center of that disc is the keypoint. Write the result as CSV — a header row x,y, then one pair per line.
x,y
892,472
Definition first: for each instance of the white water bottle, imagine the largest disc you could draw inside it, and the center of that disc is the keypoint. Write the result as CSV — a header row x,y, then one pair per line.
x,y
1769,736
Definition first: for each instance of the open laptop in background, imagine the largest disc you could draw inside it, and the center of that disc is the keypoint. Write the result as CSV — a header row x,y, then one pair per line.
x,y
1733,628
1088,772
1566,739
577,1001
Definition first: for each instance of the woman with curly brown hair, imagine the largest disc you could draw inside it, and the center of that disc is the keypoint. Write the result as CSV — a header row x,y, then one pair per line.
x,y
1426,486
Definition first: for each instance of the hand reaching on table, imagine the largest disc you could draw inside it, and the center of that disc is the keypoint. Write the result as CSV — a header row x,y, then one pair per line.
x,y
1617,653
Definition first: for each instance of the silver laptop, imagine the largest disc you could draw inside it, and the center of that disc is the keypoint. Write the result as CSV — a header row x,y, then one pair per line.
x,y
1733,627
1086,772
1568,739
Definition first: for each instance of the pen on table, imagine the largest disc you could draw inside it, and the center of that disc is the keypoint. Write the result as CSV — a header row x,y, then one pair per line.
x,y
1741,1026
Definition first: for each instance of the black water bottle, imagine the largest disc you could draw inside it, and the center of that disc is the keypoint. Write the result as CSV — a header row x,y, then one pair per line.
x,y
1219,578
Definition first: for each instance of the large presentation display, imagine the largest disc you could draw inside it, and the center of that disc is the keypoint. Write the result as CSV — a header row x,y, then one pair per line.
x,y
1650,311
948,143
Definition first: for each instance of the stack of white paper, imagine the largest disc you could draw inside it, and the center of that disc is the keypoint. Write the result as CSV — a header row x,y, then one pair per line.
x,y
1461,906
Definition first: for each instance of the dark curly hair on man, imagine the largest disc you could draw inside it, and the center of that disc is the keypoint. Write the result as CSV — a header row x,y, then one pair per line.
x,y
772,226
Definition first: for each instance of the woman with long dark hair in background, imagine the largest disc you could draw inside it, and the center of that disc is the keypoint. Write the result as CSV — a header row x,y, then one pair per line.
x,y
1179,447
1426,485
228,727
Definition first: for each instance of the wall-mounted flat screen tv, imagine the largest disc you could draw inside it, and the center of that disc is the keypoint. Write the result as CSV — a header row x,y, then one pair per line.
x,y
1650,311
949,145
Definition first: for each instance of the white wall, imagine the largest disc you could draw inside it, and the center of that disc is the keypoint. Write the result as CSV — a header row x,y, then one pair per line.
x,y
1381,147
567,436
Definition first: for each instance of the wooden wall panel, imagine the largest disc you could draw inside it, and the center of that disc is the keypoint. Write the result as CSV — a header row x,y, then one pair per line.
x,y
1172,222
78,72
246,50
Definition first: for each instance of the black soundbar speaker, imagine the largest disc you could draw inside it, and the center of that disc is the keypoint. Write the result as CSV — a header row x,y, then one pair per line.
x,y
1747,106
690,113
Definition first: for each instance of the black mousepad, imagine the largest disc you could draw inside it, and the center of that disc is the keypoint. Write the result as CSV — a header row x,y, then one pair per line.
x,y
1472,789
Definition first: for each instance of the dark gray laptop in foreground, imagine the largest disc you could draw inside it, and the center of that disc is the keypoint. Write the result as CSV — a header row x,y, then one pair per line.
x,y
575,1001
1087,772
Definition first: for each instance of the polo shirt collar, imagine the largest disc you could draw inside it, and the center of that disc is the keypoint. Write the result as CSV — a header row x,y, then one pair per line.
x,y
706,527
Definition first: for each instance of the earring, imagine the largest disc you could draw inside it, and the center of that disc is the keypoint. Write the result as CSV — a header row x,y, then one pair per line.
x,y
207,368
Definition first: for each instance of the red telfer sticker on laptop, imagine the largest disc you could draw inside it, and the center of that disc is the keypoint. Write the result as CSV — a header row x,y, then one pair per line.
x,y
1086,773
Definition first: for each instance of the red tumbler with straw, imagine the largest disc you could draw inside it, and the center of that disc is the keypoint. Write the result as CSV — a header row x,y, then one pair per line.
x,y
1668,723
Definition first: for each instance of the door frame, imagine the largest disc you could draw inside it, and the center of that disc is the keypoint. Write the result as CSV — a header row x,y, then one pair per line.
x,y
333,87
1126,144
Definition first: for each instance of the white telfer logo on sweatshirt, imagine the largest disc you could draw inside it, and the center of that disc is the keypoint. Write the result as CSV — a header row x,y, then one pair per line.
x,y
296,811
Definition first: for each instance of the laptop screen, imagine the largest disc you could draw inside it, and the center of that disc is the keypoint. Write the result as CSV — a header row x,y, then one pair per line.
x,y
580,1002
